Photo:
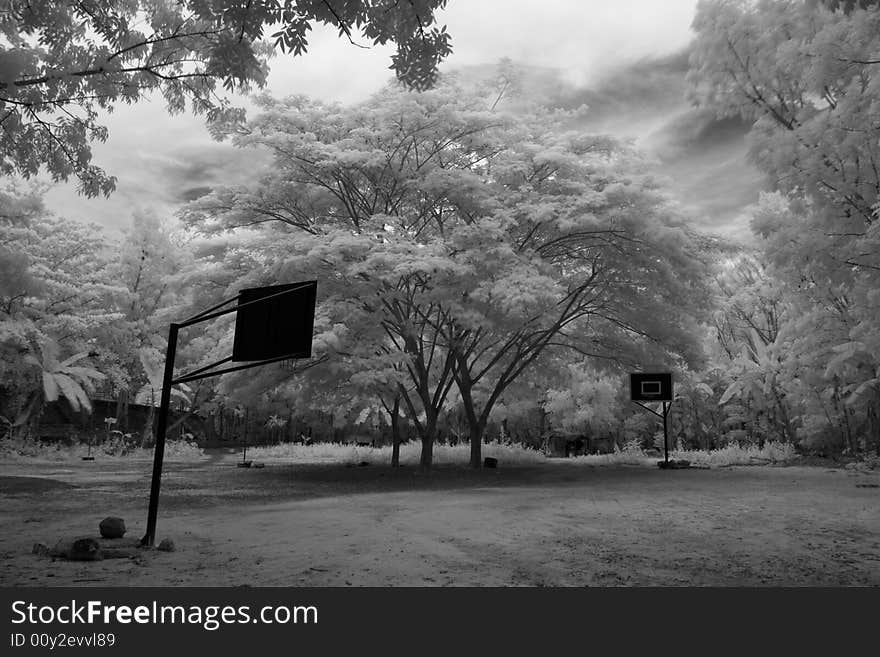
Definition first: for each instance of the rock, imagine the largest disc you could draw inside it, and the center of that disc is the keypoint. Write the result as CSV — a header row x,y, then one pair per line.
x,y
112,527
41,549
61,549
85,549
120,548
167,545
490,462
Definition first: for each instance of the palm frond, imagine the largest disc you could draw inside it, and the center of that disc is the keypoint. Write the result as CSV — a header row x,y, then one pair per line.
x,y
50,386
73,392
49,353
70,361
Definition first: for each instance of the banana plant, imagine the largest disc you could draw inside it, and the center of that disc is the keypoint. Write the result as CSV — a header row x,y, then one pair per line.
x,y
63,378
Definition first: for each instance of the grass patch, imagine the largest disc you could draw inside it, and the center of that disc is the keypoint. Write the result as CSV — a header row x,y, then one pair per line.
x,y
410,454
733,454
512,454
736,454
627,456
13,450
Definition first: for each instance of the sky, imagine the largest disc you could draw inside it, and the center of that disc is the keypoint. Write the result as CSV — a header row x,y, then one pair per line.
x,y
586,46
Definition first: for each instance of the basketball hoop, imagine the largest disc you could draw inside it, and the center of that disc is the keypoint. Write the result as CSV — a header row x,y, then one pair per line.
x,y
650,387
654,387
273,324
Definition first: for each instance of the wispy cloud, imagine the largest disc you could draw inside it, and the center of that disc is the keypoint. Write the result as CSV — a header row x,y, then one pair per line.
x,y
703,159
625,60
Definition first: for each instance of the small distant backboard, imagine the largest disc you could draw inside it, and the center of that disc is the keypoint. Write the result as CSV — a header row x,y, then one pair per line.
x,y
649,387
281,326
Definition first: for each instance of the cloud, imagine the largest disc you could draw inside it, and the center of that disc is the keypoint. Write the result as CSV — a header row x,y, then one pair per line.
x,y
625,60
703,159
199,166
645,87
580,39
160,162
193,193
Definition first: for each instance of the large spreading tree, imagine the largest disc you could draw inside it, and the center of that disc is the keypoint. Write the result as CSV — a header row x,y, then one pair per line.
x,y
455,243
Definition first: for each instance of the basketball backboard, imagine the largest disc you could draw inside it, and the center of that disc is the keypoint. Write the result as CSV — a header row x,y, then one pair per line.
x,y
649,387
278,327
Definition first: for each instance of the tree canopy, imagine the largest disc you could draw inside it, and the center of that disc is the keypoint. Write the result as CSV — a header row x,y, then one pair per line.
x,y
63,63
487,267
808,77
457,243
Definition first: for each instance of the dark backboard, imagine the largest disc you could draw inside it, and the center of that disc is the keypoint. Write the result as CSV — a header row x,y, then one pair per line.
x,y
648,387
278,327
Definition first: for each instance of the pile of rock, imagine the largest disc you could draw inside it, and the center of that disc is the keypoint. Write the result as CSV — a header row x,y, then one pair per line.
x,y
110,545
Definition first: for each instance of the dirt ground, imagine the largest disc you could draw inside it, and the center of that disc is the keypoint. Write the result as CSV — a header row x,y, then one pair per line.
x,y
550,525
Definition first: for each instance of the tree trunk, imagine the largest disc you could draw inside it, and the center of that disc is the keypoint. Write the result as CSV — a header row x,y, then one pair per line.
x,y
427,457
428,435
788,430
476,429
874,423
542,427
395,433
28,421
147,433
122,410
476,437
475,425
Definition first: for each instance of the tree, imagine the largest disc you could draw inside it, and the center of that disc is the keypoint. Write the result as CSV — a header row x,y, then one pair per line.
x,y
276,424
60,295
587,403
752,309
589,260
808,77
152,268
63,63
460,242
151,392
64,287
829,341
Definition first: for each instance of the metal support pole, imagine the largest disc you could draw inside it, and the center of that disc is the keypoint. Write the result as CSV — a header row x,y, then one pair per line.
x,y
665,436
244,434
159,452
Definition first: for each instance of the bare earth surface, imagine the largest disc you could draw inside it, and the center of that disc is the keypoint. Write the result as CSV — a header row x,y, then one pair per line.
x,y
550,525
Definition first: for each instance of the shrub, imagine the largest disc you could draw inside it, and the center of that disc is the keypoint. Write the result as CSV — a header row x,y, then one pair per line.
x,y
738,454
631,454
409,453
117,447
